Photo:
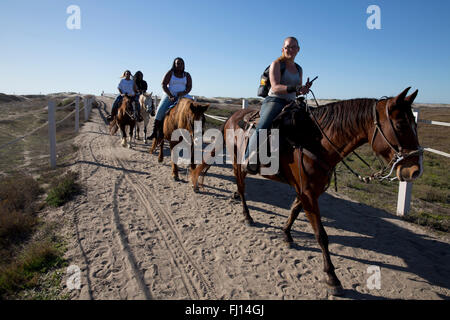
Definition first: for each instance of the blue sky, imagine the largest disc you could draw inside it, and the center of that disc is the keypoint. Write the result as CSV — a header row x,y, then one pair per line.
x,y
226,45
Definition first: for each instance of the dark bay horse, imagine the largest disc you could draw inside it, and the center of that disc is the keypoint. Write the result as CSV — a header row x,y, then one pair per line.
x,y
124,118
181,116
388,125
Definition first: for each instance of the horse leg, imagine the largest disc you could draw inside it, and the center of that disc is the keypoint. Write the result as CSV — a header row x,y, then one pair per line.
x,y
124,135
131,135
153,148
145,126
313,215
240,181
161,152
295,210
174,165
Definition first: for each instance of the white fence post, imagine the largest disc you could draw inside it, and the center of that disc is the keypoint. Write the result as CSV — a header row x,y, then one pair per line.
x,y
52,133
244,104
77,114
405,188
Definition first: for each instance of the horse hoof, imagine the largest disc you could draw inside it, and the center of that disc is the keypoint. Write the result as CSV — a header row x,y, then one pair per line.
x,y
176,178
289,243
160,160
336,291
236,196
196,189
249,223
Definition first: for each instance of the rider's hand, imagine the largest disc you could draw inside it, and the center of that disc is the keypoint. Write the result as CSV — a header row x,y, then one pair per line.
x,y
304,89
172,99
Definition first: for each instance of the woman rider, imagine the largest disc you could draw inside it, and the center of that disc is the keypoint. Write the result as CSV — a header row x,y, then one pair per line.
x,y
126,86
140,87
176,84
284,89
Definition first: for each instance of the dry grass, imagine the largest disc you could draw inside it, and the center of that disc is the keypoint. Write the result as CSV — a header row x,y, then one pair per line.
x,y
30,248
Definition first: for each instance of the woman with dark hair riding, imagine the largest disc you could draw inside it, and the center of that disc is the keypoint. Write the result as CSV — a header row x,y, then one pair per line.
x,y
285,86
176,84
140,87
126,87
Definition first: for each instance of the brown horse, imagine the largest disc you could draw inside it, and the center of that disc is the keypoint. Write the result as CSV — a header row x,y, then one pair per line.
x,y
124,118
388,125
181,116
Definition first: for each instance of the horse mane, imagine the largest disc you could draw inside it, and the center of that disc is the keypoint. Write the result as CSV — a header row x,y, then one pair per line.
x,y
346,118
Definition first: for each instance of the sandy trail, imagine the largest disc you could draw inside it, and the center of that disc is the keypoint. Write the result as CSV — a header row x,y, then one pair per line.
x,y
136,234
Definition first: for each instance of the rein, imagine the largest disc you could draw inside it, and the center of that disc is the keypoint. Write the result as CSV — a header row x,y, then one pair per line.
x,y
398,157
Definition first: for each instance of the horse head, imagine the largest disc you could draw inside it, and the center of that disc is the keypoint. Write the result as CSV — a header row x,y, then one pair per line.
x,y
147,101
198,110
395,135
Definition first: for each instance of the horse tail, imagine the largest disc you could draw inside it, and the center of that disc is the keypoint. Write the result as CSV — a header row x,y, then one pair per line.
x,y
113,127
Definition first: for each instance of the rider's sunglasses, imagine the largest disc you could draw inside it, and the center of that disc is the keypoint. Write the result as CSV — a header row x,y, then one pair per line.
x,y
291,47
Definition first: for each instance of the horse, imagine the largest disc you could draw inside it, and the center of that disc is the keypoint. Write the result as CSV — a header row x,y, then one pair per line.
x,y
387,124
181,116
124,118
147,110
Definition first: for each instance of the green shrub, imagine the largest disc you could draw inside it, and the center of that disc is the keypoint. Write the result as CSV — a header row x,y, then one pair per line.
x,y
62,190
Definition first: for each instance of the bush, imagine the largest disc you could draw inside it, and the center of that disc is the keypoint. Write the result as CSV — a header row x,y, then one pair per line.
x,y
39,257
63,189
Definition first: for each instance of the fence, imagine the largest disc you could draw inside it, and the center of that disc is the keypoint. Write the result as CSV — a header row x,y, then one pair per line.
x,y
52,123
405,188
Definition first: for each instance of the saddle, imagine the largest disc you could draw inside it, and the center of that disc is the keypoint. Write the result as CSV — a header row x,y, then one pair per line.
x,y
296,128
250,120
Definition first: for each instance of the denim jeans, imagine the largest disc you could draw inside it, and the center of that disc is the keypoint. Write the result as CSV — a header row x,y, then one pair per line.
x,y
164,105
136,102
118,101
116,104
270,108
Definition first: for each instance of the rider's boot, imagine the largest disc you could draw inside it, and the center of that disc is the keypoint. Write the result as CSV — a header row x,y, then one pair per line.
x,y
155,132
250,167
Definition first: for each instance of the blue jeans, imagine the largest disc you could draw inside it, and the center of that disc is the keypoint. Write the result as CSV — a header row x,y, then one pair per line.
x,y
116,104
270,109
118,101
164,105
136,102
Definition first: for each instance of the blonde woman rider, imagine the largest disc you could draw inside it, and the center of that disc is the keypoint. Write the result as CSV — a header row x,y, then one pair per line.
x,y
284,89
126,86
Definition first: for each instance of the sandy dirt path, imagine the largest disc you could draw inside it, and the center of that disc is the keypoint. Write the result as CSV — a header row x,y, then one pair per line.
x,y
136,234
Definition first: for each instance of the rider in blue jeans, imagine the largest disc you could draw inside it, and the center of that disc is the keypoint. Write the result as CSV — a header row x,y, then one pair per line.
x,y
176,84
284,89
126,86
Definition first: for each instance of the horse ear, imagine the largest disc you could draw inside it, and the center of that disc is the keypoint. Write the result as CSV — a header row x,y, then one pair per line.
x,y
205,107
401,96
410,98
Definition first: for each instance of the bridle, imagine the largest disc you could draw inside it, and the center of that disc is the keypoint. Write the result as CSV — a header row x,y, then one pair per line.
x,y
399,154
